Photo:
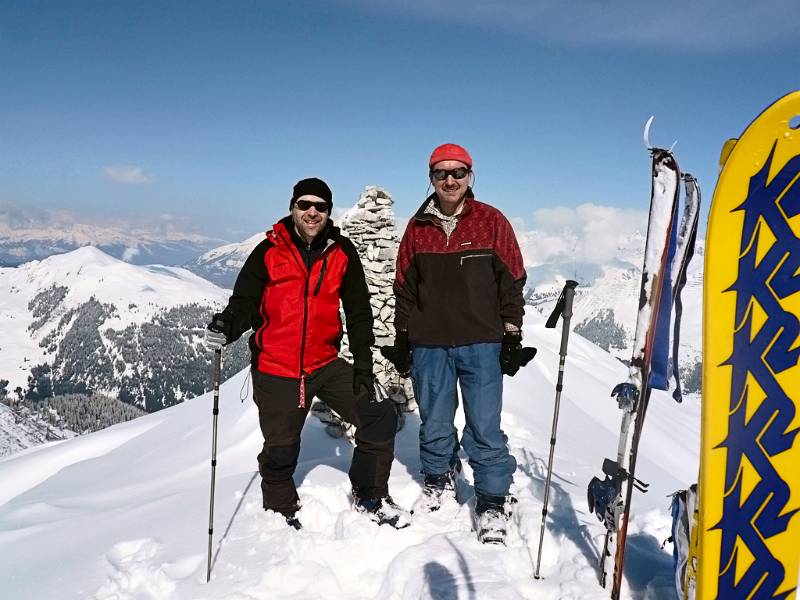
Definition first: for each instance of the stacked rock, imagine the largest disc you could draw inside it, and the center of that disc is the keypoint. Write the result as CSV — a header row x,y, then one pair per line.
x,y
370,224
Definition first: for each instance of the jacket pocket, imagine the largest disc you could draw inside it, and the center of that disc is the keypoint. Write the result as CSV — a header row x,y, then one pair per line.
x,y
468,257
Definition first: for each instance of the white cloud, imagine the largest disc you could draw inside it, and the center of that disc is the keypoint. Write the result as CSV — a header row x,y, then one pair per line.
x,y
588,233
127,175
693,25
130,253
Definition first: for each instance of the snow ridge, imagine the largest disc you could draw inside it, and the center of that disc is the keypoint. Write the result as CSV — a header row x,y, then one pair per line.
x,y
146,483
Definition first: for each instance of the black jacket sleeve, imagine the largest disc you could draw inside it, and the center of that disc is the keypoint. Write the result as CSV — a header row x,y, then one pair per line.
x,y
357,309
242,310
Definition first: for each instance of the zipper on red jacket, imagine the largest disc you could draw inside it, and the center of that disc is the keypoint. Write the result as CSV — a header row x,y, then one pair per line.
x,y
302,399
321,274
302,393
302,374
302,403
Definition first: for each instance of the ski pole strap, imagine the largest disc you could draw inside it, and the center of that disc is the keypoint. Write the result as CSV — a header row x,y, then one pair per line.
x,y
689,232
560,304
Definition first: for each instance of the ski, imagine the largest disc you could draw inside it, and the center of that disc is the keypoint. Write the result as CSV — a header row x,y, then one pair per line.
x,y
605,497
678,250
663,205
668,250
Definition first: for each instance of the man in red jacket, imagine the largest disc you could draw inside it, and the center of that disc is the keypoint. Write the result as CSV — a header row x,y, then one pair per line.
x,y
458,313
288,293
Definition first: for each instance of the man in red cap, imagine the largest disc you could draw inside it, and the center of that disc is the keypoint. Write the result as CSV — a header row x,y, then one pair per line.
x,y
458,319
288,292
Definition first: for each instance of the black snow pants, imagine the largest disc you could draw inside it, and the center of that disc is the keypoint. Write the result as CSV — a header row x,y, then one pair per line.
x,y
281,421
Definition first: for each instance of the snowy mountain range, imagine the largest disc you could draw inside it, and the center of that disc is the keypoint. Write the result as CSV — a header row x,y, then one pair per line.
x,y
606,301
84,322
19,433
131,504
221,265
37,237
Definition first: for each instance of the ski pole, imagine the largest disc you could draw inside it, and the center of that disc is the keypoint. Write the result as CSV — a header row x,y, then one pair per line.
x,y
215,412
563,308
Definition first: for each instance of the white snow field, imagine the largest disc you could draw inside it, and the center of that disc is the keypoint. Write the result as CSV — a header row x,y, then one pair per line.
x,y
123,513
136,292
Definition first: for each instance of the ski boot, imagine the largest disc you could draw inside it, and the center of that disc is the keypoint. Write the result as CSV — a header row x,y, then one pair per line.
x,y
436,490
290,516
293,521
335,426
492,514
383,511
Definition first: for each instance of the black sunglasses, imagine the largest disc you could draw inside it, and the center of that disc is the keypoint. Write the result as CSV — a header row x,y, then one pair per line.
x,y
306,204
457,173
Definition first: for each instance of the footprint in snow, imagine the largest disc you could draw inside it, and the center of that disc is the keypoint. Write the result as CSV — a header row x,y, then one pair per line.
x,y
136,572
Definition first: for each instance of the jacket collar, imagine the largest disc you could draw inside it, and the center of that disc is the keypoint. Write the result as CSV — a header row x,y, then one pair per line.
x,y
421,215
285,230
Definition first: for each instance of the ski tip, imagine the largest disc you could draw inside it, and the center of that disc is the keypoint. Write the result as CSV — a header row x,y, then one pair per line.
x,y
646,133
725,153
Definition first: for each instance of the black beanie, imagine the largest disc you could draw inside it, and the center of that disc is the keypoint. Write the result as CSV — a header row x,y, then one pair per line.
x,y
312,187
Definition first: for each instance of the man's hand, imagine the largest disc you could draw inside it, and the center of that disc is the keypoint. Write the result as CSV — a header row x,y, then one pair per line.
x,y
218,332
399,354
513,355
363,379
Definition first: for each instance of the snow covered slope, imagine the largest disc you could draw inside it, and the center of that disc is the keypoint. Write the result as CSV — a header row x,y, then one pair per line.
x,y
614,286
221,265
17,433
123,513
84,322
35,296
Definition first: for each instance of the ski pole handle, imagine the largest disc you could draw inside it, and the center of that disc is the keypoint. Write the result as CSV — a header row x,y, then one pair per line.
x,y
561,304
568,294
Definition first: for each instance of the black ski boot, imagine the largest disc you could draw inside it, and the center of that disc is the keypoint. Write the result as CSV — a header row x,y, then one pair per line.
x,y
383,511
293,521
436,490
492,514
290,516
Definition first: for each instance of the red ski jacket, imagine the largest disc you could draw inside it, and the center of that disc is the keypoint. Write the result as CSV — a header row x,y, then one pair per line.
x,y
289,293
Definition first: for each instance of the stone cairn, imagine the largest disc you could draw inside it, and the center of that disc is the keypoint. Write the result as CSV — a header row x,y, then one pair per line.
x,y
370,224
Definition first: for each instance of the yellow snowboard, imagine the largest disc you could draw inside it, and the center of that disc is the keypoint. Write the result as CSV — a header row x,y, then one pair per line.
x,y
749,530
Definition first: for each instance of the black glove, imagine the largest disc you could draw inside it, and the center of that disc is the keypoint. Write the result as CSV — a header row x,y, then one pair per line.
x,y
220,324
399,354
363,379
513,355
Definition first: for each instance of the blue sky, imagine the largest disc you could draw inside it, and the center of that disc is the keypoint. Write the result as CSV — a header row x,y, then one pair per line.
x,y
209,112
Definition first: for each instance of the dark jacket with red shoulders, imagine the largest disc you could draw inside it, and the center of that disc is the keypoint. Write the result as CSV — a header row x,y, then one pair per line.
x,y
461,290
288,293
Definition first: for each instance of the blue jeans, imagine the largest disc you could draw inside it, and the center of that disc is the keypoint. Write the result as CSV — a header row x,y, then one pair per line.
x,y
476,367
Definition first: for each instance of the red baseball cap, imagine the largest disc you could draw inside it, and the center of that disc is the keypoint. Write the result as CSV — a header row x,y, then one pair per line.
x,y
450,152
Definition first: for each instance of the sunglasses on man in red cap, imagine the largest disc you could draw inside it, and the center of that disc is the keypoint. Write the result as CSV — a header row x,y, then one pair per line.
x,y
457,173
